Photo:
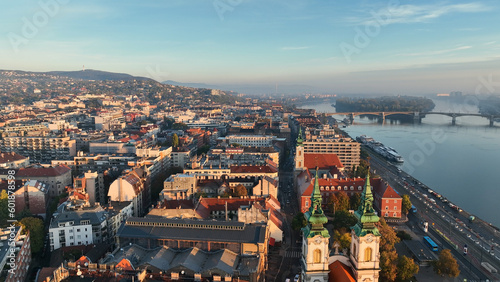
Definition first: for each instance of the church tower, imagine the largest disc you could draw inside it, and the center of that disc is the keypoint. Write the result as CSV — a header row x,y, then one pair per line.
x,y
315,239
299,154
365,239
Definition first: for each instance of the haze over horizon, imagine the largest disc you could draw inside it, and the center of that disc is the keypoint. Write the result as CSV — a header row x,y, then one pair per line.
x,y
394,47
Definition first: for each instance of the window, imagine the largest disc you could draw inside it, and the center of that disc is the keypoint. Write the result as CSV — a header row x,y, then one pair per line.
x,y
394,214
395,201
387,201
395,208
368,254
354,250
386,214
307,204
386,207
317,256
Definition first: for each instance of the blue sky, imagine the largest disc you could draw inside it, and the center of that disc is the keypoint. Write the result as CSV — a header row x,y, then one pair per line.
x,y
337,46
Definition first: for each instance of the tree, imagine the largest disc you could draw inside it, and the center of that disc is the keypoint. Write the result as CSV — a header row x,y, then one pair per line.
x,y
403,235
240,190
179,126
4,211
338,202
355,201
299,221
175,140
388,267
344,219
342,201
388,238
343,238
446,264
36,229
203,150
406,268
406,204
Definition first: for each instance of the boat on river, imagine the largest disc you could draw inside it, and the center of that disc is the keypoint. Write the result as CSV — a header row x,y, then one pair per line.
x,y
386,152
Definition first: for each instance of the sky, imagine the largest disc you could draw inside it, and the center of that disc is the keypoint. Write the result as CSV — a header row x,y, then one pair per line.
x,y
369,46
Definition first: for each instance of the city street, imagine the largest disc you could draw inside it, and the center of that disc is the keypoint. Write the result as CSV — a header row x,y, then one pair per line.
x,y
451,228
286,261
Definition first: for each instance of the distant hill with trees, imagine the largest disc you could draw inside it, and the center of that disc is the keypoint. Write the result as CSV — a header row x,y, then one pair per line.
x,y
96,75
490,106
385,104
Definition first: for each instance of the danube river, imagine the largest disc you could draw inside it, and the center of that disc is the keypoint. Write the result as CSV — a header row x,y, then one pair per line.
x,y
460,162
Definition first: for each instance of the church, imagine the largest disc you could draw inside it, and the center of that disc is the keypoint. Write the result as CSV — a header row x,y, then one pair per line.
x,y
362,264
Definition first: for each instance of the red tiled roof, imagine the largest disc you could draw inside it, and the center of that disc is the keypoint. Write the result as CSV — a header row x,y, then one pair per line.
x,y
340,272
42,171
376,183
252,169
125,264
276,218
390,193
322,161
10,157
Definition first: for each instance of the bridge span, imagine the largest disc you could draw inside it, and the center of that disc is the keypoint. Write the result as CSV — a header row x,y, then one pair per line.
x,y
417,116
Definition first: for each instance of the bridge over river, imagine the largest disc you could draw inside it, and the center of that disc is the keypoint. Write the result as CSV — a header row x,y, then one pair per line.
x,y
417,116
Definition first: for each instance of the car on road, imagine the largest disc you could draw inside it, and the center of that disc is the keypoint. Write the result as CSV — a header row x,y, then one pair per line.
x,y
296,278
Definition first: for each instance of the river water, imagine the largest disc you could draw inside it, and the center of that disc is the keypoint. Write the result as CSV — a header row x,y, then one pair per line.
x,y
461,162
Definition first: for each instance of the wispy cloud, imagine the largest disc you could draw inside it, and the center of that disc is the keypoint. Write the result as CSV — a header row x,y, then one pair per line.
x,y
418,14
469,29
291,48
438,52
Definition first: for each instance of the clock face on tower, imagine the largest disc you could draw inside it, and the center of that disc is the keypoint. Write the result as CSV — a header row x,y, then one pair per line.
x,y
317,240
369,239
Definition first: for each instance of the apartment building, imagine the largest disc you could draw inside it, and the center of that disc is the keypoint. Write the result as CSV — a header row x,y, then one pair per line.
x,y
40,149
347,149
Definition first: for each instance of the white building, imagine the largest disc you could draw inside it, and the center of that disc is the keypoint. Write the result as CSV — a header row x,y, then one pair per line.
x,y
129,188
78,227
250,140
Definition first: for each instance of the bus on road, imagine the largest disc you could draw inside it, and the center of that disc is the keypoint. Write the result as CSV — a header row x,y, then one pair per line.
x,y
430,243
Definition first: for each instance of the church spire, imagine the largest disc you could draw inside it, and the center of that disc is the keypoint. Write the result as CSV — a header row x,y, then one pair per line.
x,y
315,216
366,214
299,138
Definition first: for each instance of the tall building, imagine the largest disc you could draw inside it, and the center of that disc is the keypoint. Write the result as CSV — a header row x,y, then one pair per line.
x,y
315,240
365,239
39,149
93,183
347,149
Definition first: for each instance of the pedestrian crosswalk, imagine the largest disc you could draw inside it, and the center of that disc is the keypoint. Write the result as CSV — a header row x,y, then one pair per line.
x,y
293,254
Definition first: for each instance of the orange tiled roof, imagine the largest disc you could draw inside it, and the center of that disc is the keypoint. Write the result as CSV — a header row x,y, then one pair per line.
x,y
340,272
322,161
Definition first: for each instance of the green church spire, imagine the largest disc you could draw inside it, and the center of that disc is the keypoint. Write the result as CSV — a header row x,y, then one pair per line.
x,y
299,138
366,214
315,216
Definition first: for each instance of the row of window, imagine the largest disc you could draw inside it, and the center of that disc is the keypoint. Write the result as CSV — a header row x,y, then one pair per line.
x,y
338,188
184,225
